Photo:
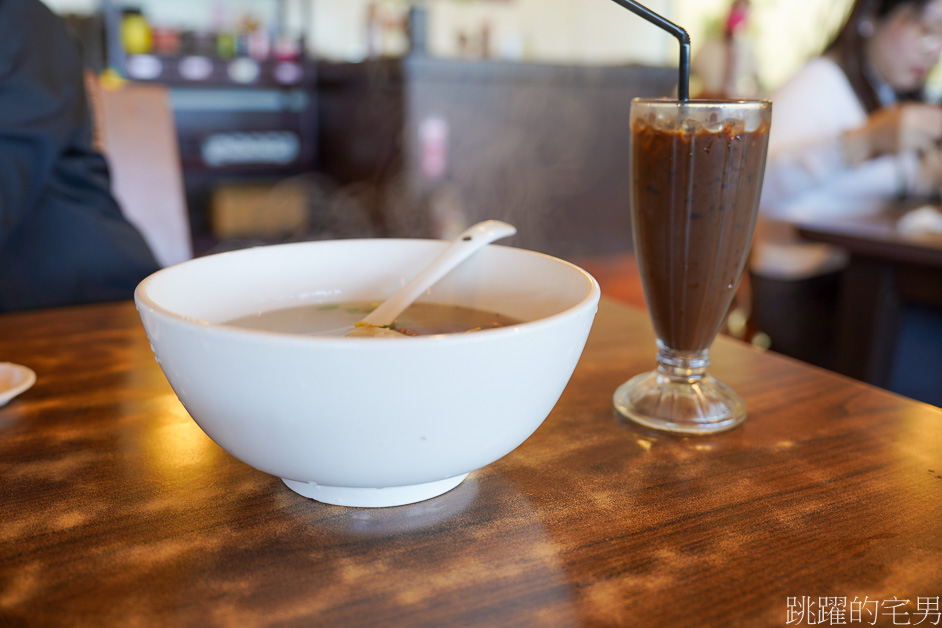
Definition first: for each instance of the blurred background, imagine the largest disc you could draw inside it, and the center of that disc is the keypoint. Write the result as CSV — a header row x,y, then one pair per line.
x,y
233,123
554,31
300,119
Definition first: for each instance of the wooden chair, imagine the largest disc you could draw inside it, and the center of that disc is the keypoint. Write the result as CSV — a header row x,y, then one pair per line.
x,y
136,133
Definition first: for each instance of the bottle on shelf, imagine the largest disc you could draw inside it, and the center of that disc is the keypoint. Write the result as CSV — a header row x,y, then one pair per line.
x,y
136,34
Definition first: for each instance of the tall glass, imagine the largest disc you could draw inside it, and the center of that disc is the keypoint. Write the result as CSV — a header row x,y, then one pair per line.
x,y
696,177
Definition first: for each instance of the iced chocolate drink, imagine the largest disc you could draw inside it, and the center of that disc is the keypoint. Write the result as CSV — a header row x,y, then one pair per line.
x,y
696,177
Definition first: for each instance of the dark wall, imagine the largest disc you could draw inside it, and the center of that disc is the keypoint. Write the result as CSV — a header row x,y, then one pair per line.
x,y
543,147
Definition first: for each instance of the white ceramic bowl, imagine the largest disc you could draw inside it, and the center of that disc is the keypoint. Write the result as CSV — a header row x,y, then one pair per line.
x,y
367,421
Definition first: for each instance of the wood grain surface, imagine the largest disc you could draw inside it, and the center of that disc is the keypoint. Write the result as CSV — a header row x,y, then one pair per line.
x,y
116,510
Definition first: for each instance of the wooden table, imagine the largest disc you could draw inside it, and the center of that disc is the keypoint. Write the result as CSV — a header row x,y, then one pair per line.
x,y
887,270
115,509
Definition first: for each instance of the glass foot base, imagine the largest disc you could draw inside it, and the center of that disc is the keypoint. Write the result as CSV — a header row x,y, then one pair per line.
x,y
699,406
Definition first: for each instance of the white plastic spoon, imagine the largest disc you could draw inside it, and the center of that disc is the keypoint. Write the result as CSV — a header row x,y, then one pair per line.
x,y
464,246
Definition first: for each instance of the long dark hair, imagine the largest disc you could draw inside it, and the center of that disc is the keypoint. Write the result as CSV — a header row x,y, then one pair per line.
x,y
847,47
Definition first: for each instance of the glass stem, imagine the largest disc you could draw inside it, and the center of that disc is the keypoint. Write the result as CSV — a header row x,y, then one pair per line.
x,y
682,366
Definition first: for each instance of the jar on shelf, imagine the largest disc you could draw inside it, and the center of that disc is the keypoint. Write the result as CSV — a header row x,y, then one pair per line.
x,y
166,40
136,35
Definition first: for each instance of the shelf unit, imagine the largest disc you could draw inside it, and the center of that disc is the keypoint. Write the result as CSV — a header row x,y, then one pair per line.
x,y
238,118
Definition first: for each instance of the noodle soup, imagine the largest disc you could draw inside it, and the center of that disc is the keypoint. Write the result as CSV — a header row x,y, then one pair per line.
x,y
336,319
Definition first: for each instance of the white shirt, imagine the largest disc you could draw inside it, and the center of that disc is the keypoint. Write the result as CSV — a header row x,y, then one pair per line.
x,y
806,176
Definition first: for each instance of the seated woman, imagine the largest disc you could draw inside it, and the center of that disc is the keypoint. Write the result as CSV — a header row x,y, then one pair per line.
x,y
63,238
851,134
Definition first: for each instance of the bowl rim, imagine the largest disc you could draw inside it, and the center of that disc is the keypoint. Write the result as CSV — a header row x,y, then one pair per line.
x,y
143,300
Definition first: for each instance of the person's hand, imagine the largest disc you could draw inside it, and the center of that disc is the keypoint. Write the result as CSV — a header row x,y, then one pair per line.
x,y
893,130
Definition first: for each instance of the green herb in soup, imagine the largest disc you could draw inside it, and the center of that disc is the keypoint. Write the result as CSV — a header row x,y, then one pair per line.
x,y
420,319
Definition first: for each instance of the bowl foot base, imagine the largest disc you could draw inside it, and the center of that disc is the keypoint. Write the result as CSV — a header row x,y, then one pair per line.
x,y
373,497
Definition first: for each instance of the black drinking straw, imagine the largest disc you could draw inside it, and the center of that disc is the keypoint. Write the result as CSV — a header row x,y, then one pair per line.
x,y
683,86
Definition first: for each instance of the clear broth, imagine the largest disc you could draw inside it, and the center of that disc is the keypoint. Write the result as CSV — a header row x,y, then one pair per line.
x,y
336,319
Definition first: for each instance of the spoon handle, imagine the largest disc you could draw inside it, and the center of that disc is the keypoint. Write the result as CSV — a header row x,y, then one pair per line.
x,y
470,241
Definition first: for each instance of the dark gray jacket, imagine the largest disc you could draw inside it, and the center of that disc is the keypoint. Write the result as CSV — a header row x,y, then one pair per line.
x,y
63,238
